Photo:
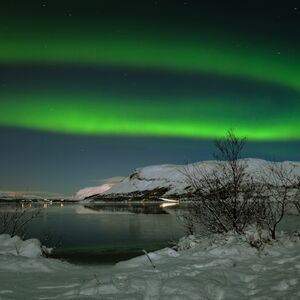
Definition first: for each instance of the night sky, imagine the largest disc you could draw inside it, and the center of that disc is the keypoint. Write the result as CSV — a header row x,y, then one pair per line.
x,y
94,89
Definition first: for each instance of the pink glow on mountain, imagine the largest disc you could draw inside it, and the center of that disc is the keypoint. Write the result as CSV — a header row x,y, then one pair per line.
x,y
89,191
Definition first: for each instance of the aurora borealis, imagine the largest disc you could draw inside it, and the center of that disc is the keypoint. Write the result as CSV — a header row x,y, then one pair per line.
x,y
155,72
101,110
197,51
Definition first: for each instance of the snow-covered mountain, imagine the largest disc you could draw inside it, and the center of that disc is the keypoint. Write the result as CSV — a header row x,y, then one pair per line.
x,y
171,180
11,196
105,185
93,190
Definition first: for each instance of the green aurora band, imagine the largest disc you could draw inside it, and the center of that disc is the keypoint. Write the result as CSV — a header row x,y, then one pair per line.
x,y
86,115
201,52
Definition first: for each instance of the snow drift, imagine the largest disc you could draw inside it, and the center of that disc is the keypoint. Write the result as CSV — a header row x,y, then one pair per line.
x,y
215,268
30,248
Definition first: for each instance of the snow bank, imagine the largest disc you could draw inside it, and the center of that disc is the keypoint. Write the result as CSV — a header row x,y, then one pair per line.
x,y
144,260
15,246
214,268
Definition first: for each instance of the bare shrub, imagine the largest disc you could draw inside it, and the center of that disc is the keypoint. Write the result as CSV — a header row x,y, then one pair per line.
x,y
186,219
297,196
15,222
226,197
279,183
297,203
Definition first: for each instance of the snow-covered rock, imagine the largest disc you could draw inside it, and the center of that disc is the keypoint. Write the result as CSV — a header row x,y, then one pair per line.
x,y
31,248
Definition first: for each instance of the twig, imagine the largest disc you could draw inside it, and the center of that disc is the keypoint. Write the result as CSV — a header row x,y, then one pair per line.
x,y
153,265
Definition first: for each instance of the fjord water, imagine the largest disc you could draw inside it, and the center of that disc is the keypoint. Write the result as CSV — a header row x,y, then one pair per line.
x,y
108,233
104,234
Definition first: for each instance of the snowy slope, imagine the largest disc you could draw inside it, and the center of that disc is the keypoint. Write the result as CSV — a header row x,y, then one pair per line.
x,y
150,178
173,178
10,197
90,191
106,184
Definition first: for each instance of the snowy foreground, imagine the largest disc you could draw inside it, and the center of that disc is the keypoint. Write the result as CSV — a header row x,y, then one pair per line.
x,y
213,268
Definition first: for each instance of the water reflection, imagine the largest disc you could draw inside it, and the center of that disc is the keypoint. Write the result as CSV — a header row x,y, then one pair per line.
x,y
164,205
103,233
135,208
97,233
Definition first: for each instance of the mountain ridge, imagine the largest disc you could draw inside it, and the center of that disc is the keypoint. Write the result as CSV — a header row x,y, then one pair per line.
x,y
170,180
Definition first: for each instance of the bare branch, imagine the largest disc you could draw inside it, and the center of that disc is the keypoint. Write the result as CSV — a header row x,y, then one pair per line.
x,y
224,194
278,181
15,222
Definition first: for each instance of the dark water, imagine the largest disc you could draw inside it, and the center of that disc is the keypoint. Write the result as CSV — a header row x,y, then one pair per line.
x,y
108,233
104,234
